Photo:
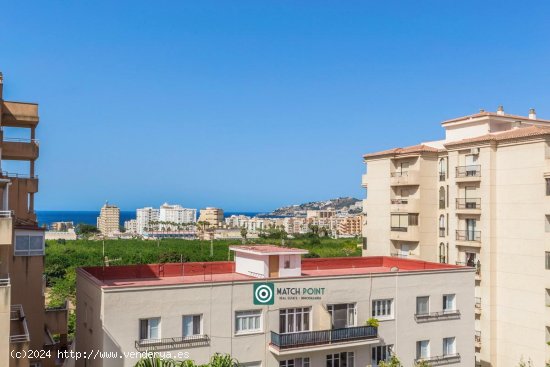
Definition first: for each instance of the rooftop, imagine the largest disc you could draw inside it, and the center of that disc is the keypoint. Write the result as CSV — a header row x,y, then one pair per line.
x,y
268,250
518,133
224,271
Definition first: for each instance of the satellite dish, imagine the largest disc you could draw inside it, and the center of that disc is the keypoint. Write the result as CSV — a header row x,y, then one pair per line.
x,y
394,268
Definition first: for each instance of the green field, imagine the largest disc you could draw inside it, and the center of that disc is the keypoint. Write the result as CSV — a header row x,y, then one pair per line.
x,y
63,258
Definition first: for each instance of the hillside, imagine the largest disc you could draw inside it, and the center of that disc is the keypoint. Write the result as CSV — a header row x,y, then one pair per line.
x,y
349,204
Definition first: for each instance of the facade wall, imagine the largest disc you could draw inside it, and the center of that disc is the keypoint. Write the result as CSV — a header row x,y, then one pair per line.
x,y
119,311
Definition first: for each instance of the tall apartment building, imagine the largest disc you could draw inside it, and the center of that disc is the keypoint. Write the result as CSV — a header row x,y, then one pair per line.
x,y
147,219
177,214
214,216
25,323
271,308
350,225
130,226
108,221
480,197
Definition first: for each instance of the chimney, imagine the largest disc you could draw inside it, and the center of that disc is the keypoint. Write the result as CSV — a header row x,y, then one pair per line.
x,y
532,114
500,110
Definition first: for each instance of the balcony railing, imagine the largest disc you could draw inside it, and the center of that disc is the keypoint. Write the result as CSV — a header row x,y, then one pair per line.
x,y
478,302
468,171
440,360
399,254
434,316
399,201
466,235
19,331
4,280
468,203
172,343
17,175
399,174
322,337
442,176
6,213
399,229
442,232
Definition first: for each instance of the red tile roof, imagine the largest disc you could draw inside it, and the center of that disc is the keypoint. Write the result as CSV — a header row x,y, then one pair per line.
x,y
519,133
421,148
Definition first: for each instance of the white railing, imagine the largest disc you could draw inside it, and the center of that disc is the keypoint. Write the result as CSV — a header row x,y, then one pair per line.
x,y
17,314
256,275
6,213
4,280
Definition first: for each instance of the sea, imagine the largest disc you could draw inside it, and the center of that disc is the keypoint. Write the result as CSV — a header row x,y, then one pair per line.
x,y
46,217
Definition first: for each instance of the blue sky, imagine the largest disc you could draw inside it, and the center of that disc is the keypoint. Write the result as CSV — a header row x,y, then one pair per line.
x,y
250,105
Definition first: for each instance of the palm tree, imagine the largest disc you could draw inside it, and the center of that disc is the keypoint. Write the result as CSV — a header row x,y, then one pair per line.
x,y
244,232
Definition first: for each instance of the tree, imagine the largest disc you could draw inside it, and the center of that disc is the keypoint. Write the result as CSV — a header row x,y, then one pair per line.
x,y
392,362
217,360
244,233
86,229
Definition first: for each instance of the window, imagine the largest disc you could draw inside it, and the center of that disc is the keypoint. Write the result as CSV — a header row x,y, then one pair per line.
x,y
547,297
441,197
345,359
422,349
382,308
149,328
296,362
422,305
293,320
381,353
192,325
547,260
442,169
547,223
449,346
399,222
248,321
29,245
449,303
413,219
442,257
343,315
286,261
547,179
441,225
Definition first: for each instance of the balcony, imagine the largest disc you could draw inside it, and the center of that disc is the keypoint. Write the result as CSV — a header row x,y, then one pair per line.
x,y
18,114
320,340
20,149
405,178
19,332
468,238
405,205
437,316
143,345
442,231
469,173
477,305
478,339
468,206
440,360
364,181
56,319
410,233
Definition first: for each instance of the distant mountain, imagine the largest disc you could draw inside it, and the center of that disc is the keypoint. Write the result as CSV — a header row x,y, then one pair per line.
x,y
345,204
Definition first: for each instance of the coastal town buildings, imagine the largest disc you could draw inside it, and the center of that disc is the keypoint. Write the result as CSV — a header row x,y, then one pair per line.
x,y
270,307
108,222
213,216
61,226
131,226
147,219
176,214
480,197
25,323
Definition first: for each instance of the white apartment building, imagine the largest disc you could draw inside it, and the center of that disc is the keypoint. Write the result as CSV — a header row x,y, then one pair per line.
x,y
147,219
131,226
108,221
271,308
479,197
177,214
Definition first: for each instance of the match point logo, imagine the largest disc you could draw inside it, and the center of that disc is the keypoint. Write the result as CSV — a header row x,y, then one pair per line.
x,y
264,294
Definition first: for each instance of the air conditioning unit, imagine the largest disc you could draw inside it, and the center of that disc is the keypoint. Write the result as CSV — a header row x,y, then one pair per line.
x,y
474,151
